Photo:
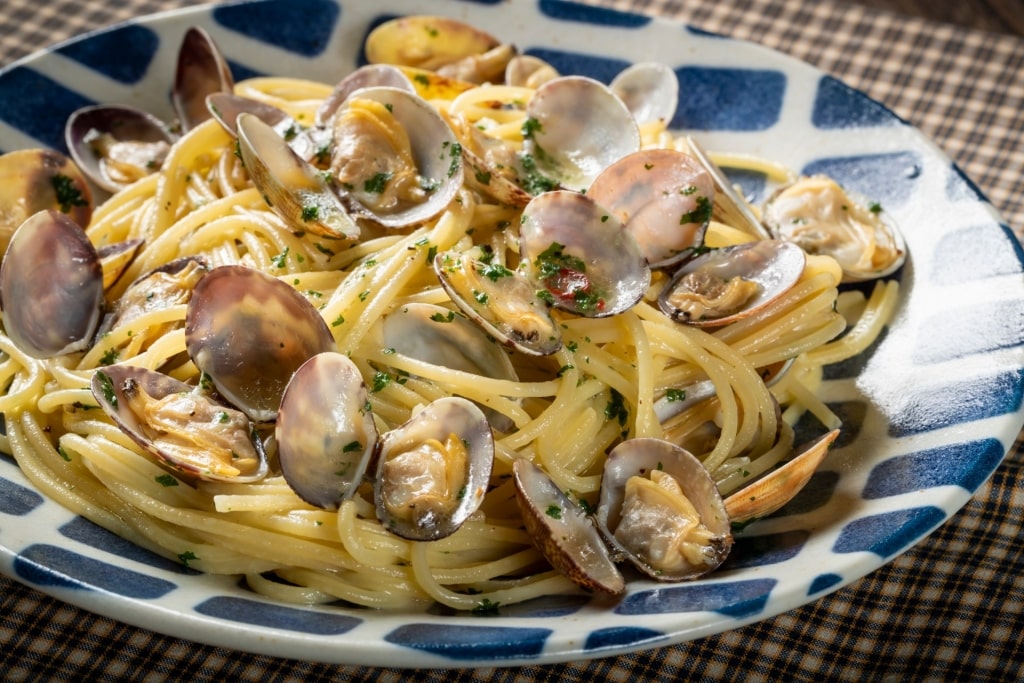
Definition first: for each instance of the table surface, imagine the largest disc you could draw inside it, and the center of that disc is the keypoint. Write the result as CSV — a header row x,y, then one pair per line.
x,y
951,608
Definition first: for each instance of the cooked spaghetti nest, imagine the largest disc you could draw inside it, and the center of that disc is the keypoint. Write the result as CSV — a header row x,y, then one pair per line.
x,y
567,410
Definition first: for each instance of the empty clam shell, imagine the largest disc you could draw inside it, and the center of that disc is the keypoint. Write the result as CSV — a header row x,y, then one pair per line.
x,y
250,332
663,197
426,42
769,493
650,90
726,284
660,509
582,254
367,76
529,72
325,431
563,532
51,286
730,208
182,427
433,470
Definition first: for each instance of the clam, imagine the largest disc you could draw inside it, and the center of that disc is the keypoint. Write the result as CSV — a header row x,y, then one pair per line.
x,y
663,197
650,90
32,180
200,71
495,169
51,286
769,493
576,127
729,207
439,336
309,144
528,71
563,532
433,470
249,332
581,254
729,283
296,190
816,213
674,402
660,509
394,158
116,145
367,76
115,258
504,302
169,285
325,432
186,431
426,42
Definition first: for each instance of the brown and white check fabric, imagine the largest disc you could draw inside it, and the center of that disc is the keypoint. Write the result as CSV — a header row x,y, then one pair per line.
x,y
950,609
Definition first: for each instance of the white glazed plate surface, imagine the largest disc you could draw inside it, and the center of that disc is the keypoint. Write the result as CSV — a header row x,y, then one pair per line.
x,y
929,411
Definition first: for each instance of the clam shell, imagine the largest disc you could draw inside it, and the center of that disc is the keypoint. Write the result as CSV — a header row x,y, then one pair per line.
x,y
367,76
640,457
730,208
582,255
663,197
325,432
563,533
200,71
146,136
250,332
437,420
650,90
108,387
580,127
32,180
769,493
773,266
425,42
51,286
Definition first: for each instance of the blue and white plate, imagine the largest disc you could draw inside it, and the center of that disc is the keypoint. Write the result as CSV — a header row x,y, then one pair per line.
x,y
930,411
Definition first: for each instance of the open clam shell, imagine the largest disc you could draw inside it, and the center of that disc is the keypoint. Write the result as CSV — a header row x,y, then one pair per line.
x,y
730,283
115,145
200,71
250,332
660,509
768,494
433,470
577,128
822,217
426,42
663,197
325,432
729,207
366,76
502,301
563,532
295,190
183,428
582,255
650,90
33,180
51,286
395,158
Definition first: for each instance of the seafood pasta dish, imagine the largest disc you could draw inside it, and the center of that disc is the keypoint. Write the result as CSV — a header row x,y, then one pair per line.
x,y
456,329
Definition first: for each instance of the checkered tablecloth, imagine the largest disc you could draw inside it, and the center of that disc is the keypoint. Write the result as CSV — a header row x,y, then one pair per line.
x,y
952,608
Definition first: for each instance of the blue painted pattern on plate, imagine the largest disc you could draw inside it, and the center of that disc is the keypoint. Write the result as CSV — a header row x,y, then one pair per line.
x,y
277,616
300,26
887,533
974,253
729,98
123,54
620,636
735,598
955,464
48,565
17,500
82,530
838,106
37,105
469,643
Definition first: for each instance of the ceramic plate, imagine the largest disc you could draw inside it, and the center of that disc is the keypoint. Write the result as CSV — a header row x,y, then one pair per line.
x,y
929,411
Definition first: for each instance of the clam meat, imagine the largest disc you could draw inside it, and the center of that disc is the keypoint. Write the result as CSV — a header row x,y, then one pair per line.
x,y
181,426
433,470
660,509
816,213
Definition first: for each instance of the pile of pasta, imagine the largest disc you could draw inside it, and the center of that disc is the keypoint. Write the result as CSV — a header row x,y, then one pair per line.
x,y
568,410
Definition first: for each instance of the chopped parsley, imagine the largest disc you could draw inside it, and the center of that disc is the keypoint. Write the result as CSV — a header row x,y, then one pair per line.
x,y
700,215
875,207
352,446
616,408
531,126
442,318
282,258
486,607
67,194
338,321
110,357
167,480
380,380
494,271
554,511
672,395
310,213
377,183
107,387
186,557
